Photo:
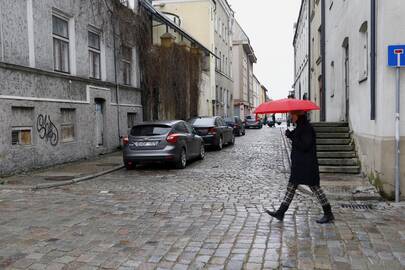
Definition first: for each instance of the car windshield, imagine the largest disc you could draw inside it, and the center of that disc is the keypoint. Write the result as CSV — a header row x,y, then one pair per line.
x,y
202,122
150,130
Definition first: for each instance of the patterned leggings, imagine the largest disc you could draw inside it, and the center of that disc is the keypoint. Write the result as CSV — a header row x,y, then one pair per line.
x,y
291,188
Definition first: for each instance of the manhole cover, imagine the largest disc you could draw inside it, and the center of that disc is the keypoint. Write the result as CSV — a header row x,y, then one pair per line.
x,y
107,164
59,178
356,206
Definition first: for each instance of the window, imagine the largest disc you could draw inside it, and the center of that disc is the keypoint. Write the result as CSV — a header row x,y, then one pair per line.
x,y
220,60
94,55
363,53
226,66
219,26
181,128
60,32
67,125
131,119
216,59
126,64
21,136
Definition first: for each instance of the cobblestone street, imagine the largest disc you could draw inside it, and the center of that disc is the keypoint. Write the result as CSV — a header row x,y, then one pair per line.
x,y
208,216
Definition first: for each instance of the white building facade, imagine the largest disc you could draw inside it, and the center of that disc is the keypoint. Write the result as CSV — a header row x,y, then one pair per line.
x,y
360,87
301,53
243,60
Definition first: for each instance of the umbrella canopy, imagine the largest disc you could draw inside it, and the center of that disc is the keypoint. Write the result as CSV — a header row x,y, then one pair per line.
x,y
286,105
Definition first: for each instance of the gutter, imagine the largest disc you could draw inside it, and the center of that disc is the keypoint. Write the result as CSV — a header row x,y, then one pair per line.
x,y
1,36
323,54
309,51
373,62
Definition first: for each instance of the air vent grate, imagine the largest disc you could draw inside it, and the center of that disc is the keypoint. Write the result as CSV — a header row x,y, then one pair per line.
x,y
356,206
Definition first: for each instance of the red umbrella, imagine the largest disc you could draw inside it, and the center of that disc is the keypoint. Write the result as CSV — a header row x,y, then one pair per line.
x,y
286,105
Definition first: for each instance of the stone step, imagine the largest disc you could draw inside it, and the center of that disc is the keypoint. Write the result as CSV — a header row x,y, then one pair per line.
x,y
337,148
338,161
340,169
333,135
348,154
332,129
330,124
333,141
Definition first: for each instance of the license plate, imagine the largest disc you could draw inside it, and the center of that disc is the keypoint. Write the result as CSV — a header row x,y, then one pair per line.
x,y
146,144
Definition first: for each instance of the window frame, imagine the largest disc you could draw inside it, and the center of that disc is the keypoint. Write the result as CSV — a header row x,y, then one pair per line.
x,y
61,39
93,51
126,63
64,124
19,130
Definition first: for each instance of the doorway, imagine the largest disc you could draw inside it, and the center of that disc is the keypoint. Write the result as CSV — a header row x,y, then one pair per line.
x,y
100,112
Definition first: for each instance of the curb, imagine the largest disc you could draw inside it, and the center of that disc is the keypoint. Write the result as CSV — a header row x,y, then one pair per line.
x,y
76,180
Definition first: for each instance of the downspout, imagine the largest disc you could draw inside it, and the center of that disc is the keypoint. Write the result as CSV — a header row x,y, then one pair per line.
x,y
309,50
373,61
115,73
323,53
1,35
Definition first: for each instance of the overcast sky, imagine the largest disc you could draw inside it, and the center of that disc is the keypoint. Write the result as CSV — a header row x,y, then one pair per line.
x,y
269,25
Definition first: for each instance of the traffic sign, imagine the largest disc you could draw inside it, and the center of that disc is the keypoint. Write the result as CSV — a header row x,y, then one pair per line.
x,y
396,56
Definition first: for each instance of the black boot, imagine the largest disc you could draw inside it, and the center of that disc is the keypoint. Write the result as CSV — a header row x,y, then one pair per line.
x,y
327,216
279,214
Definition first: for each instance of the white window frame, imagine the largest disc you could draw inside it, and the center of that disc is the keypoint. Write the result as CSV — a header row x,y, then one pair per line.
x,y
71,40
19,129
363,52
96,51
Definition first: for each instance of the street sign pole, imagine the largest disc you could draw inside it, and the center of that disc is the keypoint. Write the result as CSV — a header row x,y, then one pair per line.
x,y
396,59
397,136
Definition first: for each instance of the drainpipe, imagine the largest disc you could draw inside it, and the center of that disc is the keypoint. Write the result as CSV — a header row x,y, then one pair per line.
x,y
115,72
309,50
323,54
373,61
1,36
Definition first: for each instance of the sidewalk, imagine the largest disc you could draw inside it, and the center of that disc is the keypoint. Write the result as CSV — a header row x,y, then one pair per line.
x,y
340,187
66,173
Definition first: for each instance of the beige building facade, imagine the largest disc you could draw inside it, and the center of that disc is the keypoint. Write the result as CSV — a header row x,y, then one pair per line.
x,y
209,22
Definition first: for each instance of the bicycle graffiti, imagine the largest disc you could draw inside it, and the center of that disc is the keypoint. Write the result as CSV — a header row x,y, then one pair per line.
x,y
47,130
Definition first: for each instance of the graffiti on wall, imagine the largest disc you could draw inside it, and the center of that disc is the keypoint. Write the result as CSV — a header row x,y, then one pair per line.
x,y
47,130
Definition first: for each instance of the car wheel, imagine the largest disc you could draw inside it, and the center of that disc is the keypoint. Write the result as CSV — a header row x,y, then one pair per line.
x,y
232,142
201,156
182,160
129,165
220,144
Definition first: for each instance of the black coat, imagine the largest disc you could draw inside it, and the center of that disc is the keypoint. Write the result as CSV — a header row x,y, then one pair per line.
x,y
304,161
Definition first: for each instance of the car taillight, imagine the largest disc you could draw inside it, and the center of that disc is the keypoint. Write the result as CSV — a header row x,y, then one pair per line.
x,y
212,131
172,138
125,141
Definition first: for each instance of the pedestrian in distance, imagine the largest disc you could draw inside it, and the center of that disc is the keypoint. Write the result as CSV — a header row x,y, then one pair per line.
x,y
304,167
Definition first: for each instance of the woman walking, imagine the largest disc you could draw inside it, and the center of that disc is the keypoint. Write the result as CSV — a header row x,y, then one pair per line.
x,y
304,167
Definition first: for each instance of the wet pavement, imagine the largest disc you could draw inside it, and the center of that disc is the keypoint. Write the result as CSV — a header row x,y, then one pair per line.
x,y
208,216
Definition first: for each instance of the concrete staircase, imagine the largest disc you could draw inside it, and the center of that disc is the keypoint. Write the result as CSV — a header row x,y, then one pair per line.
x,y
336,151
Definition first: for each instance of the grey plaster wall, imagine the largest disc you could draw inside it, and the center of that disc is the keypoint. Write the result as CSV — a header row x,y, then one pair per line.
x,y
46,92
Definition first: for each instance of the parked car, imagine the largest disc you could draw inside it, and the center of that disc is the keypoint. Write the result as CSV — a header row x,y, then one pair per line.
x,y
237,124
214,131
252,122
165,141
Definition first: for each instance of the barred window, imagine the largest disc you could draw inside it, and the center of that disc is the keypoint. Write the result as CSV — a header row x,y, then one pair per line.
x,y
60,32
21,136
131,118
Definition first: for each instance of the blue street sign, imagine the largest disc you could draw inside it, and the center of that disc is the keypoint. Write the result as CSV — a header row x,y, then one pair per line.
x,y
396,56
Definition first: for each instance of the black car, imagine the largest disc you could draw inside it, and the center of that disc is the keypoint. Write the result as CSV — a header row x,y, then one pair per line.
x,y
166,141
214,131
237,124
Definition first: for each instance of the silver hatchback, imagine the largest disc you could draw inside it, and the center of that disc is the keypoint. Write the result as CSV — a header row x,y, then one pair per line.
x,y
165,141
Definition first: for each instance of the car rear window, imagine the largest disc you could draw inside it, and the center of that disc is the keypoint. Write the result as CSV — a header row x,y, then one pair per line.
x,y
203,122
150,130
229,120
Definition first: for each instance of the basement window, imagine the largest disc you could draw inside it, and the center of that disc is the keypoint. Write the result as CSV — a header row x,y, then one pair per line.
x,y
21,136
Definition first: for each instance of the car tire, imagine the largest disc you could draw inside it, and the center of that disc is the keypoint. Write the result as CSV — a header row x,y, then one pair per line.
x,y
181,162
201,156
232,142
129,166
220,144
